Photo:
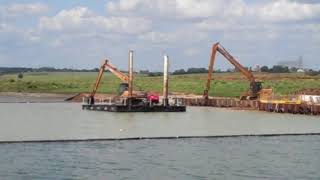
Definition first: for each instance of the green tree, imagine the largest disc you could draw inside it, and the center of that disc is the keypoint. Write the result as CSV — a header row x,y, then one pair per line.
x,y
264,69
20,75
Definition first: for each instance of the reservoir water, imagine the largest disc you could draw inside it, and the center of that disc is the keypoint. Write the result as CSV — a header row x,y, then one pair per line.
x,y
65,121
256,157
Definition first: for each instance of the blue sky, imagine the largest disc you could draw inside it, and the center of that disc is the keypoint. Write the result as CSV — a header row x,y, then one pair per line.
x,y
81,33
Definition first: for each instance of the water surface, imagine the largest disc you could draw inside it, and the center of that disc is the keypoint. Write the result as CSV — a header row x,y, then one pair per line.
x,y
255,157
63,121
280,157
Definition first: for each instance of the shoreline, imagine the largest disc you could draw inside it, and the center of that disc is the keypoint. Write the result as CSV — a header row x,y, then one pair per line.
x,y
22,97
224,103
69,97
31,94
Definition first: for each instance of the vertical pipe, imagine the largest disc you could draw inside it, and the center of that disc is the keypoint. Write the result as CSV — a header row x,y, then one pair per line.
x,y
130,74
165,79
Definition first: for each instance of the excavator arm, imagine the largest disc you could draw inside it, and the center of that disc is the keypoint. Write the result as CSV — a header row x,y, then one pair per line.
x,y
255,87
235,63
124,78
151,97
106,65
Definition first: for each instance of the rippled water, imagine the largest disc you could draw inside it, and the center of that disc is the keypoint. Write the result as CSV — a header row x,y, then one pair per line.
x,y
60,121
279,157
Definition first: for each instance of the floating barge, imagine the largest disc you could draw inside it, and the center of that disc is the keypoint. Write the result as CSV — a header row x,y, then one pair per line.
x,y
133,108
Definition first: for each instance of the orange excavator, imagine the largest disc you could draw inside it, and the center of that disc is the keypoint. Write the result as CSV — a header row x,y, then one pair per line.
x,y
255,86
123,88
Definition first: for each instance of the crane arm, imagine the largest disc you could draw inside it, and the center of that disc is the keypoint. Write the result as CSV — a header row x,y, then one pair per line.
x,y
210,69
116,72
236,64
98,80
112,69
217,47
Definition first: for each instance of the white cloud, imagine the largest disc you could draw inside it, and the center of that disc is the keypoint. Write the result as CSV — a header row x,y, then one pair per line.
x,y
209,8
182,27
158,37
214,24
126,5
218,14
82,19
179,36
285,10
23,9
178,8
130,25
66,19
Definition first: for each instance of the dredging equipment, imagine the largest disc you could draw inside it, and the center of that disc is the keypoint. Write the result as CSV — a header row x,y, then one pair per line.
x,y
130,100
255,89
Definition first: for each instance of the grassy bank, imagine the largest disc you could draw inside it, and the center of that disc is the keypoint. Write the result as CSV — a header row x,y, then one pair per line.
x,y
225,84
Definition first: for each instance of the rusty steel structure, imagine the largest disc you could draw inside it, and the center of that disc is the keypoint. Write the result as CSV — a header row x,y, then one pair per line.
x,y
303,108
255,86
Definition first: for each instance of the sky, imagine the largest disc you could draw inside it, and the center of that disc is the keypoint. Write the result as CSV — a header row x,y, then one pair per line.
x,y
81,33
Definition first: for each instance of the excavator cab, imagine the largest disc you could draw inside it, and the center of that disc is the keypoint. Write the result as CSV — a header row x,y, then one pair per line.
x,y
255,88
254,91
123,87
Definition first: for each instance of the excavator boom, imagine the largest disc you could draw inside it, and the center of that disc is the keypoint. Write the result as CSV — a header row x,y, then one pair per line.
x,y
106,65
235,63
255,87
98,80
154,98
124,78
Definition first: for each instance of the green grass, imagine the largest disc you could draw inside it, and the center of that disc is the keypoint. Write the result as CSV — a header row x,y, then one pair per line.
x,y
225,84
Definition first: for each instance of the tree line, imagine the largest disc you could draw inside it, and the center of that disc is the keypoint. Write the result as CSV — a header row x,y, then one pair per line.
x,y
273,69
9,70
192,70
